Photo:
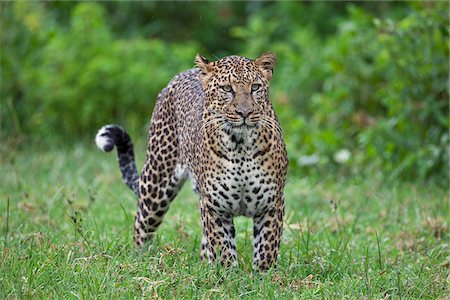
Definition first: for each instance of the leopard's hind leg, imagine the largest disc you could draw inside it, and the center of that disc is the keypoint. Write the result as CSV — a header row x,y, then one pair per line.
x,y
162,175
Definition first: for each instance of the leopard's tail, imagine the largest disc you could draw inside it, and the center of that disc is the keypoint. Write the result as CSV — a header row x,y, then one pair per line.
x,y
113,135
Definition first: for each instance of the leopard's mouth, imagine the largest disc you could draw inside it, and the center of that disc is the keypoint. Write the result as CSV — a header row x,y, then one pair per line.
x,y
242,123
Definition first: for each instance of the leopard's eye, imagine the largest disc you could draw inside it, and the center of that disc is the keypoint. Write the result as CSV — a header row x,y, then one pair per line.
x,y
255,86
227,88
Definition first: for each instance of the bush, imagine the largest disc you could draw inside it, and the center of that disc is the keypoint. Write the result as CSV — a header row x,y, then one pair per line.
x,y
80,78
389,93
356,92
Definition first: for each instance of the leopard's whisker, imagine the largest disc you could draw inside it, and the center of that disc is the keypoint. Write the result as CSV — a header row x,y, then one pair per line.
x,y
212,121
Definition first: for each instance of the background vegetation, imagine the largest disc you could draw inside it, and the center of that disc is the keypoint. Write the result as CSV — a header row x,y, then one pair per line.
x,y
359,87
361,90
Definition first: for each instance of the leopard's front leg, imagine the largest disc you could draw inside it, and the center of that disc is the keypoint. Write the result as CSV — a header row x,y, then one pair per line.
x,y
218,236
267,230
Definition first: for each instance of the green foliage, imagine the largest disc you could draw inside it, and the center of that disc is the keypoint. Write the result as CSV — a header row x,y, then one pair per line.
x,y
360,88
388,90
84,77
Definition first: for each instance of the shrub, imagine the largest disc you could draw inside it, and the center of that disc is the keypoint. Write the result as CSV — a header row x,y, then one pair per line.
x,y
356,92
81,77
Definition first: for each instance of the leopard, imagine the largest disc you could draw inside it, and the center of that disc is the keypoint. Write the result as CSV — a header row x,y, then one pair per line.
x,y
216,125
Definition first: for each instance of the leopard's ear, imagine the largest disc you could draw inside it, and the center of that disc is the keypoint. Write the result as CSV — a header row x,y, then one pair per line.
x,y
266,63
203,64
206,69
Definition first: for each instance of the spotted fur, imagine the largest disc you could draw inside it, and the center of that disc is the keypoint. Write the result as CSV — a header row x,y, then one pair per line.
x,y
214,123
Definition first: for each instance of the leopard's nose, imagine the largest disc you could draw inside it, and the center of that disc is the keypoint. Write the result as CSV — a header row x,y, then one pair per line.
x,y
244,111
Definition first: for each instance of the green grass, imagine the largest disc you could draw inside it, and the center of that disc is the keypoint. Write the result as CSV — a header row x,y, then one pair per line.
x,y
66,224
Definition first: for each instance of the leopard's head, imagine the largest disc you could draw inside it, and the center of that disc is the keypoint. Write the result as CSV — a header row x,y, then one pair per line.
x,y
236,89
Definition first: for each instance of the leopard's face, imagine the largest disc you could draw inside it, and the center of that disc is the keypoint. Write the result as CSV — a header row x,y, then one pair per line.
x,y
236,89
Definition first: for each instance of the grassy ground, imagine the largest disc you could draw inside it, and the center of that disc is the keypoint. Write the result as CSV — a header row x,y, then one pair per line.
x,y
66,221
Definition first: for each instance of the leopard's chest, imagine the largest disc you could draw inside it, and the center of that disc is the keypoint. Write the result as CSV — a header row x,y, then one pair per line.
x,y
241,182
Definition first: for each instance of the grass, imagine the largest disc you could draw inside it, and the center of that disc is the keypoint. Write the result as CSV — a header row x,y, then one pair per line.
x,y
66,221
